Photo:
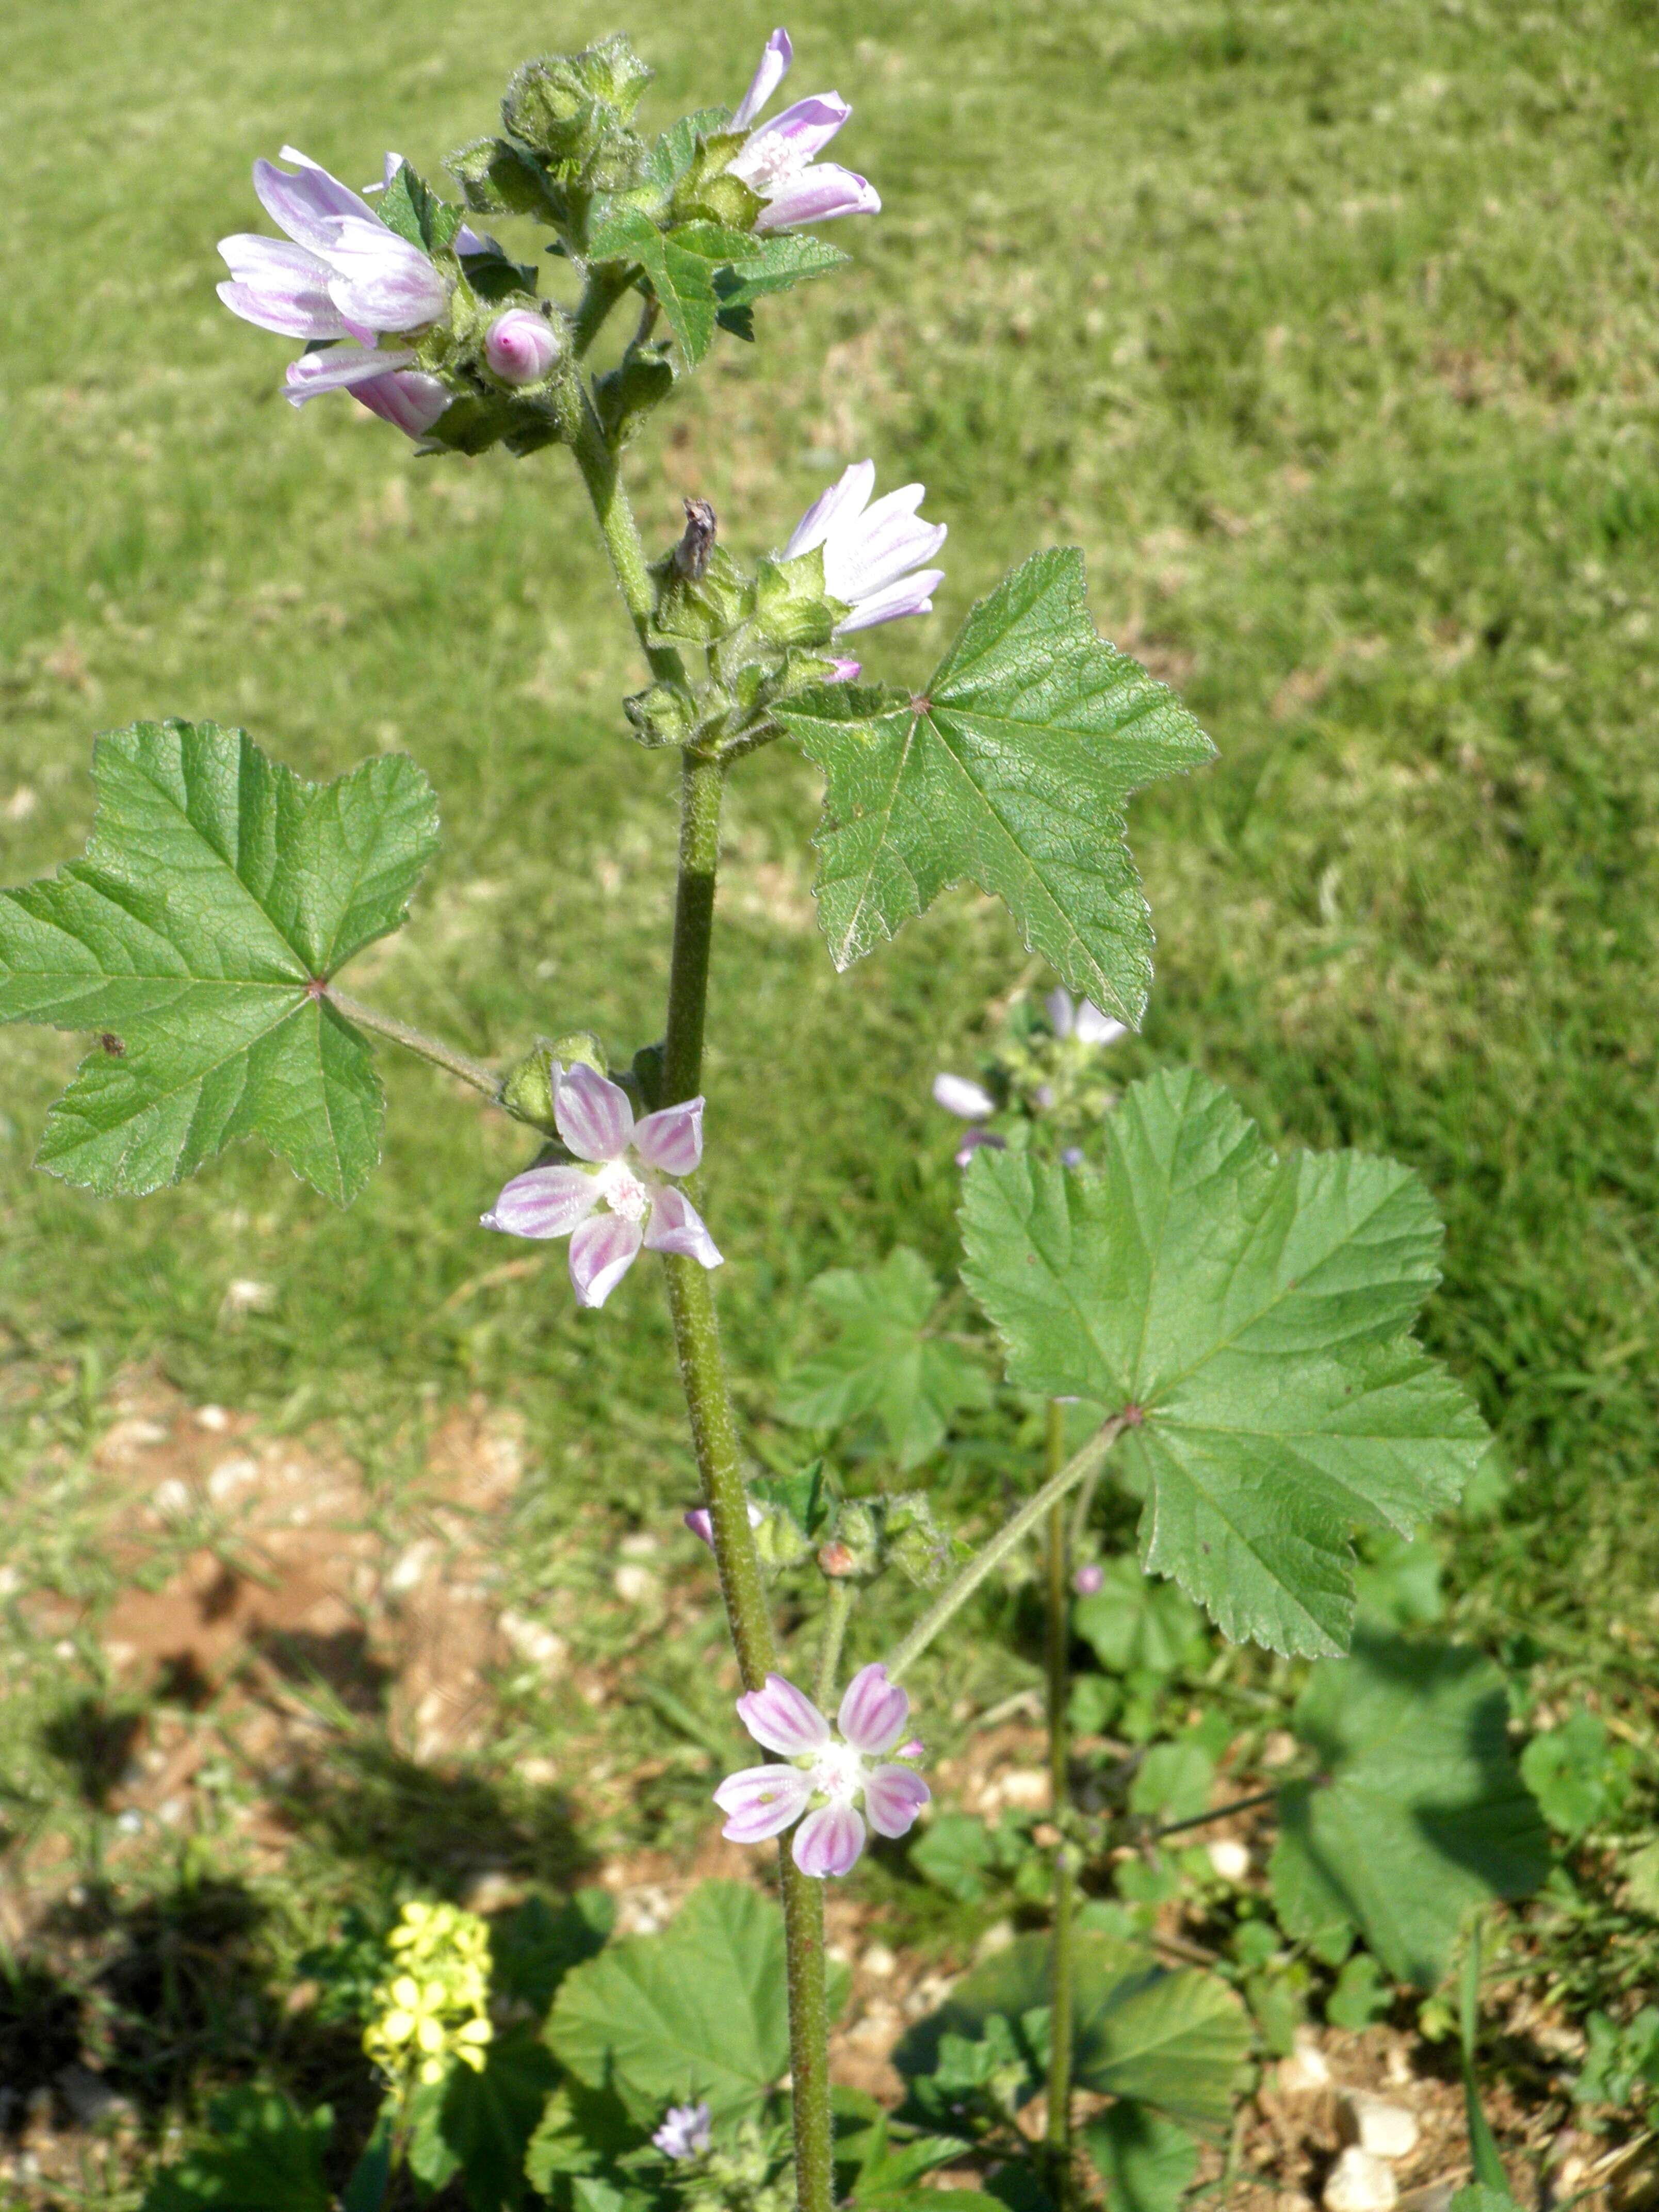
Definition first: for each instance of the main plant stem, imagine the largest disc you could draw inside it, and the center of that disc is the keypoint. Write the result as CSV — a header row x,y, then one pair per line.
x,y
1059,2132
697,1328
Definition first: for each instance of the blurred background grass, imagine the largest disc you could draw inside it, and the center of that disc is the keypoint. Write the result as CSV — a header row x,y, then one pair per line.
x,y
1329,333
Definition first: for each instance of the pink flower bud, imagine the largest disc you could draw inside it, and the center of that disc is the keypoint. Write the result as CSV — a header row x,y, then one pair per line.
x,y
521,346
1088,1580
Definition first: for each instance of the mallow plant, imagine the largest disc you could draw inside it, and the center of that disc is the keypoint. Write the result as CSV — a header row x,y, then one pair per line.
x,y
1238,1324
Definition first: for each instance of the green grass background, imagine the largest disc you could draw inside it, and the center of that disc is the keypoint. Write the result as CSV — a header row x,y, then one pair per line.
x,y
1327,332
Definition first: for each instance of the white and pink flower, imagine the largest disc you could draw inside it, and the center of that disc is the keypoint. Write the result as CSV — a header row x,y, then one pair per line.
x,y
340,274
1080,1019
873,555
826,1778
613,1199
779,160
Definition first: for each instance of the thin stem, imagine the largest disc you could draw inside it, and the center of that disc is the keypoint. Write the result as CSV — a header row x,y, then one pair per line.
x,y
1083,1507
603,478
1059,2130
1012,1531
837,1612
440,1054
714,1435
1220,1812
605,286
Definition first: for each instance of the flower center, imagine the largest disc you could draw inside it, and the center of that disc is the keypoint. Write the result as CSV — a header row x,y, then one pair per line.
x,y
838,1770
769,162
623,1190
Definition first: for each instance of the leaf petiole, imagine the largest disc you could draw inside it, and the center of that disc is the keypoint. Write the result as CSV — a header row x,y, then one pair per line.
x,y
475,1072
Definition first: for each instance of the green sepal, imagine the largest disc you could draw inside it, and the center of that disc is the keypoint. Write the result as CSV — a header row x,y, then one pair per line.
x,y
574,110
707,192
498,176
495,277
666,714
915,1542
702,610
410,207
791,607
527,1087
625,395
581,1048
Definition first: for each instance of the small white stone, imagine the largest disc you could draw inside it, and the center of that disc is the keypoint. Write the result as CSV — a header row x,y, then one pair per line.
x,y
1229,1858
542,1646
633,1584
643,1544
213,1418
171,1498
879,1962
1306,2070
230,1476
1386,2130
1360,2182
412,1565
1026,1786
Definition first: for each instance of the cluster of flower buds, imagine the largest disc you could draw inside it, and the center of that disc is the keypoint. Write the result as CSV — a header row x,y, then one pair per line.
x,y
848,565
852,1540
431,2011
437,329
1044,1072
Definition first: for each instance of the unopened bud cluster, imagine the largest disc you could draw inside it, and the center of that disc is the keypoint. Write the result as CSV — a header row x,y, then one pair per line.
x,y
1043,1079
431,2011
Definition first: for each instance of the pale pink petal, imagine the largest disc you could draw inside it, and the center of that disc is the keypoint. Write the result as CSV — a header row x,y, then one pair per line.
x,y
911,595
822,194
893,1797
761,1801
974,1139
865,561
700,1522
602,1251
544,1202
279,287
873,1710
382,281
1094,1028
309,207
1088,1580
829,1841
676,1225
774,68
594,1115
843,671
958,1095
338,368
411,400
832,509
671,1139
783,1718
786,144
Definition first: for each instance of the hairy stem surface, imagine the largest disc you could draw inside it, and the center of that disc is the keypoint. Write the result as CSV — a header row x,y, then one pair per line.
x,y
989,1558
696,1335
1059,2130
475,1072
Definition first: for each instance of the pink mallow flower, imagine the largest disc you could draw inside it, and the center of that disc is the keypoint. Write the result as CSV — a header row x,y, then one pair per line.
x,y
869,552
1088,1580
685,2133
825,1779
968,1101
617,1201
1081,1020
780,161
340,274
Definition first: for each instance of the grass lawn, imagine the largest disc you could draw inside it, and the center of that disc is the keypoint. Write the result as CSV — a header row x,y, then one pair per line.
x,y
1329,333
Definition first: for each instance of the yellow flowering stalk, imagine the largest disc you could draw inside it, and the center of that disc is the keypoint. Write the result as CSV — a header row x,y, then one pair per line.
x,y
431,2011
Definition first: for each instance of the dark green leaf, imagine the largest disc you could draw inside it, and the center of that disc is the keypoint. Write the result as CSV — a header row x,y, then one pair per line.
x,y
489,2117
414,210
217,890
1420,1814
262,2156
956,1853
1011,770
1252,1312
1147,2163
582,2132
1578,1774
1173,2040
534,1947
700,2011
882,1362
1138,1626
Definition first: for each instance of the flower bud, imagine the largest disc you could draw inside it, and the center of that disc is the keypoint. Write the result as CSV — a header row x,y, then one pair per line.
x,y
527,1087
521,346
581,1048
1088,1580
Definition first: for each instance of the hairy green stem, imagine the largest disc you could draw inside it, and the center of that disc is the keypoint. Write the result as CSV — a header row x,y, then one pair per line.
x,y
412,1039
603,478
1058,2130
696,1334
837,1612
991,1555
605,287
